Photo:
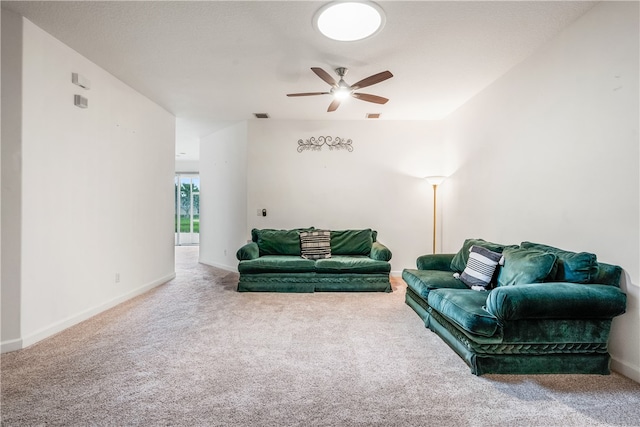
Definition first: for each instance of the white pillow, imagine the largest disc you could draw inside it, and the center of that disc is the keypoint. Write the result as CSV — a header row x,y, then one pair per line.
x,y
480,267
315,244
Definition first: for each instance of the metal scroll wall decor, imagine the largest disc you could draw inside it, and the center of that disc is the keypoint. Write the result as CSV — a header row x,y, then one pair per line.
x,y
315,144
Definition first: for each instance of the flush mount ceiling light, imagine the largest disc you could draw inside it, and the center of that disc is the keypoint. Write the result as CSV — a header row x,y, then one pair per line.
x,y
349,21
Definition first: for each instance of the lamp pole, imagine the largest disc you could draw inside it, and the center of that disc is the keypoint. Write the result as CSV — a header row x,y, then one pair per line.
x,y
435,181
435,190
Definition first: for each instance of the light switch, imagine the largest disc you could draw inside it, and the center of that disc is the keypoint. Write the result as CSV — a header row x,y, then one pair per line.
x,y
80,101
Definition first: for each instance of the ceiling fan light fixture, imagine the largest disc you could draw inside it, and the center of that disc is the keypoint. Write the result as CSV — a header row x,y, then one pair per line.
x,y
349,21
341,90
341,93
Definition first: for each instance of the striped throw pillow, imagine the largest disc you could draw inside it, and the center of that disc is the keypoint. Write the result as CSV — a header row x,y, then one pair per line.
x,y
480,267
315,244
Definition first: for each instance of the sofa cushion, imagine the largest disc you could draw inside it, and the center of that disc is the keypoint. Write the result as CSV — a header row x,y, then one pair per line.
x,y
480,267
459,261
464,308
571,266
351,242
523,266
278,242
255,232
277,264
315,244
560,300
352,264
424,281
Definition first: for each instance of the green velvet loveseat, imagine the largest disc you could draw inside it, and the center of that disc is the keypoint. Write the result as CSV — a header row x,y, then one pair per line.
x,y
545,311
272,262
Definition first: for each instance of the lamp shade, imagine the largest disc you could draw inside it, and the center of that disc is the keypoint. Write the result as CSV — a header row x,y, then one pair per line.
x,y
435,180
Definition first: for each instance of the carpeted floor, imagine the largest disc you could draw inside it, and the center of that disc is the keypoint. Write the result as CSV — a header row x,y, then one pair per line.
x,y
196,352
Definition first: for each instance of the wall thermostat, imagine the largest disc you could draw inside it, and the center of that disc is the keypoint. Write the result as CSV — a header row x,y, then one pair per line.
x,y
80,80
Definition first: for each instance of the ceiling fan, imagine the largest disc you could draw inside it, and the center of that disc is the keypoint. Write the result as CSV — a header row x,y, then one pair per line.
x,y
341,90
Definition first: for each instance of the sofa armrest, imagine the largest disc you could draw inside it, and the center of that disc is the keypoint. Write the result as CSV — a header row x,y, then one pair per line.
x,y
556,301
248,251
380,252
439,262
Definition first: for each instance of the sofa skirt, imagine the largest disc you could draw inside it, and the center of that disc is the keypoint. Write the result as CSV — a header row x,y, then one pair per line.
x,y
482,358
313,282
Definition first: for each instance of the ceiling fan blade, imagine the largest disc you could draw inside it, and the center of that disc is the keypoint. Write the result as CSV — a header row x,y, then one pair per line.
x,y
324,76
308,94
370,98
371,80
333,106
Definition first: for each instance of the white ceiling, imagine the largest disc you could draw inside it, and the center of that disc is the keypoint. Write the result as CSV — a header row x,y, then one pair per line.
x,y
215,62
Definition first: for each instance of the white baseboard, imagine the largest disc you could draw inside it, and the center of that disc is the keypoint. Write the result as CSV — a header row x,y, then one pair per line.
x,y
60,326
10,345
233,269
626,369
395,273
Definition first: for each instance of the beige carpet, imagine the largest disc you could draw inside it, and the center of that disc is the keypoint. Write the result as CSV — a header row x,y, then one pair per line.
x,y
195,352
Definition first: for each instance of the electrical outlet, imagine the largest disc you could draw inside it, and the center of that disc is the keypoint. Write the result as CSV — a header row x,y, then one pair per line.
x,y
117,277
225,252
259,212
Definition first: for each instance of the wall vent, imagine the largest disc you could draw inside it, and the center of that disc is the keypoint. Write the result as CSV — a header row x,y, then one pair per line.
x,y
373,115
261,115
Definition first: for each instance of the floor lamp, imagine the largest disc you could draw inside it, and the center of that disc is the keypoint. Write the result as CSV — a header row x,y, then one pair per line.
x,y
435,181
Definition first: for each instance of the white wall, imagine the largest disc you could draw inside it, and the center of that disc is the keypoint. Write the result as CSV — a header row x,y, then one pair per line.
x,y
97,195
549,153
187,166
223,195
378,185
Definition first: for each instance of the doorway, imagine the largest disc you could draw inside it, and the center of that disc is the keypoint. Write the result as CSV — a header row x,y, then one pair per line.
x,y
187,209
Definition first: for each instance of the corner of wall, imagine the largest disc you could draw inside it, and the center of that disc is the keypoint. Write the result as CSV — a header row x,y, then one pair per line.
x,y
11,177
223,206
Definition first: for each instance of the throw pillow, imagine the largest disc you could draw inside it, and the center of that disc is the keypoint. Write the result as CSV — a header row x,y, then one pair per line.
x,y
575,267
278,242
315,244
351,242
480,267
523,266
459,261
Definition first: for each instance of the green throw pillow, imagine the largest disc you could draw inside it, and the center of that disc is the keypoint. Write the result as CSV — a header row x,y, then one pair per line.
x,y
459,261
255,233
574,267
522,266
278,242
351,242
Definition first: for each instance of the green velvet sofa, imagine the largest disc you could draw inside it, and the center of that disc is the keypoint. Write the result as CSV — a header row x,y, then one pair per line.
x,y
272,262
547,310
